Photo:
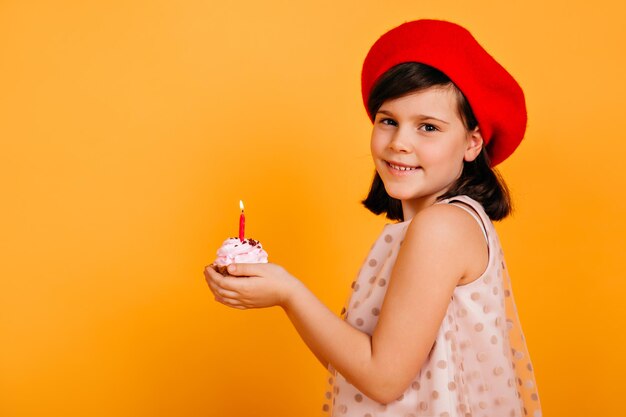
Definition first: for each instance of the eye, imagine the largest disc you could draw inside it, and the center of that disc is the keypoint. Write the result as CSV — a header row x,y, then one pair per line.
x,y
427,127
388,122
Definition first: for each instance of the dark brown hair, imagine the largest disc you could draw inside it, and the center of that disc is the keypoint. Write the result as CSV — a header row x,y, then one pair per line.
x,y
478,180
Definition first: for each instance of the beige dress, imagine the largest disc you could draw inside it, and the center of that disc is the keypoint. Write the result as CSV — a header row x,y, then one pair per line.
x,y
479,365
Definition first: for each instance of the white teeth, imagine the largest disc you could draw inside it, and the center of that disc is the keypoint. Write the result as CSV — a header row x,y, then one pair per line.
x,y
399,168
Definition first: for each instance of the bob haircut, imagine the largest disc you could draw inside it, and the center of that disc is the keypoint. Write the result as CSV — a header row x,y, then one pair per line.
x,y
478,180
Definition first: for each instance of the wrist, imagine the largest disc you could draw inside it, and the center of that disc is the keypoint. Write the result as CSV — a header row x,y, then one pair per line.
x,y
292,293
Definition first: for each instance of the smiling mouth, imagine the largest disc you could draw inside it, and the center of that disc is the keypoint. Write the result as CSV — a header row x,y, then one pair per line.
x,y
400,167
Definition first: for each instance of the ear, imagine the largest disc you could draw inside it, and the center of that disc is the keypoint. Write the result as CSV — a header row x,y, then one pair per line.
x,y
474,145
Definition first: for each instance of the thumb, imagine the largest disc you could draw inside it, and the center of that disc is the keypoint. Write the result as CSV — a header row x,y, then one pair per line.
x,y
244,270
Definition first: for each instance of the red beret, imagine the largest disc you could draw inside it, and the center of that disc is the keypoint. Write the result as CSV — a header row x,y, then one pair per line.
x,y
496,98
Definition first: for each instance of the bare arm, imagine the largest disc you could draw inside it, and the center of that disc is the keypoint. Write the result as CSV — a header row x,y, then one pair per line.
x,y
423,279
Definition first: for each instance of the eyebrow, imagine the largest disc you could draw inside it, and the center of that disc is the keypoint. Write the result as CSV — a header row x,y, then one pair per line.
x,y
421,116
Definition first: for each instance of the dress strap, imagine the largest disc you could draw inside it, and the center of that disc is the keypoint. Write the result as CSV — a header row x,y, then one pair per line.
x,y
474,209
474,215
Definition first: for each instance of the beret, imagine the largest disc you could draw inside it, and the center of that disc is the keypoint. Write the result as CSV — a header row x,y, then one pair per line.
x,y
495,97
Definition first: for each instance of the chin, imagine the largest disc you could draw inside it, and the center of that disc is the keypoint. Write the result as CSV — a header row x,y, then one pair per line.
x,y
400,194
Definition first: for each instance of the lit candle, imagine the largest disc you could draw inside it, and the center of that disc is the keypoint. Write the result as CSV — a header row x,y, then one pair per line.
x,y
242,223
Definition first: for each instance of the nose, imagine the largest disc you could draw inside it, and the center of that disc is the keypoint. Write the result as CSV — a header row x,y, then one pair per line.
x,y
400,141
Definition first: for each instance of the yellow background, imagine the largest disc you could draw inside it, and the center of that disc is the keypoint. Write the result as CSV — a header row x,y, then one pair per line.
x,y
130,130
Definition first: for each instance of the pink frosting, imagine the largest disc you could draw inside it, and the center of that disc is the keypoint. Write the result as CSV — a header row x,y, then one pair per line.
x,y
234,251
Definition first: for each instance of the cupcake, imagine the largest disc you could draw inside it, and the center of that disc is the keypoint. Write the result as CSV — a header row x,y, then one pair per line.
x,y
234,250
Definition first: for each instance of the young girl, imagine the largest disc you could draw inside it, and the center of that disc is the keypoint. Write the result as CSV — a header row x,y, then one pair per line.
x,y
431,328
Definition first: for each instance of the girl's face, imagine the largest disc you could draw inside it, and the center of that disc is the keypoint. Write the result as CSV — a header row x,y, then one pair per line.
x,y
419,143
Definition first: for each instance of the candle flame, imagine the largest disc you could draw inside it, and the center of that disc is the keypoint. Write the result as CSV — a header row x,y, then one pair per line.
x,y
241,205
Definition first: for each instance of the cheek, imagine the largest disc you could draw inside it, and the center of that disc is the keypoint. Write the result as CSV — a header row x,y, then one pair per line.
x,y
376,144
435,153
448,154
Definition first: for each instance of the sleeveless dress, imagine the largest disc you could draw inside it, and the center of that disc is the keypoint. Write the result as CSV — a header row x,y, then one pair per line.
x,y
479,364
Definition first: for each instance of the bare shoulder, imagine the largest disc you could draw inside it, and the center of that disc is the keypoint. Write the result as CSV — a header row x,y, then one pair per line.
x,y
444,220
446,231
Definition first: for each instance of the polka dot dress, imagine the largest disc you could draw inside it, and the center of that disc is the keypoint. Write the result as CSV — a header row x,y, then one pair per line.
x,y
478,366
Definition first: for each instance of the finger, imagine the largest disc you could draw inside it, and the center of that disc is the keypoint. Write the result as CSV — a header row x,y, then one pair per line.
x,y
219,288
226,282
212,286
210,266
212,275
208,270
246,270
226,293
230,302
230,284
214,280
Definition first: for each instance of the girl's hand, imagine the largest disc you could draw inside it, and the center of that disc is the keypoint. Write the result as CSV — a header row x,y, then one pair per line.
x,y
251,285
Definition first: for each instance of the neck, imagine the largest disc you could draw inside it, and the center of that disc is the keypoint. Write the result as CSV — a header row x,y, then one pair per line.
x,y
410,208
